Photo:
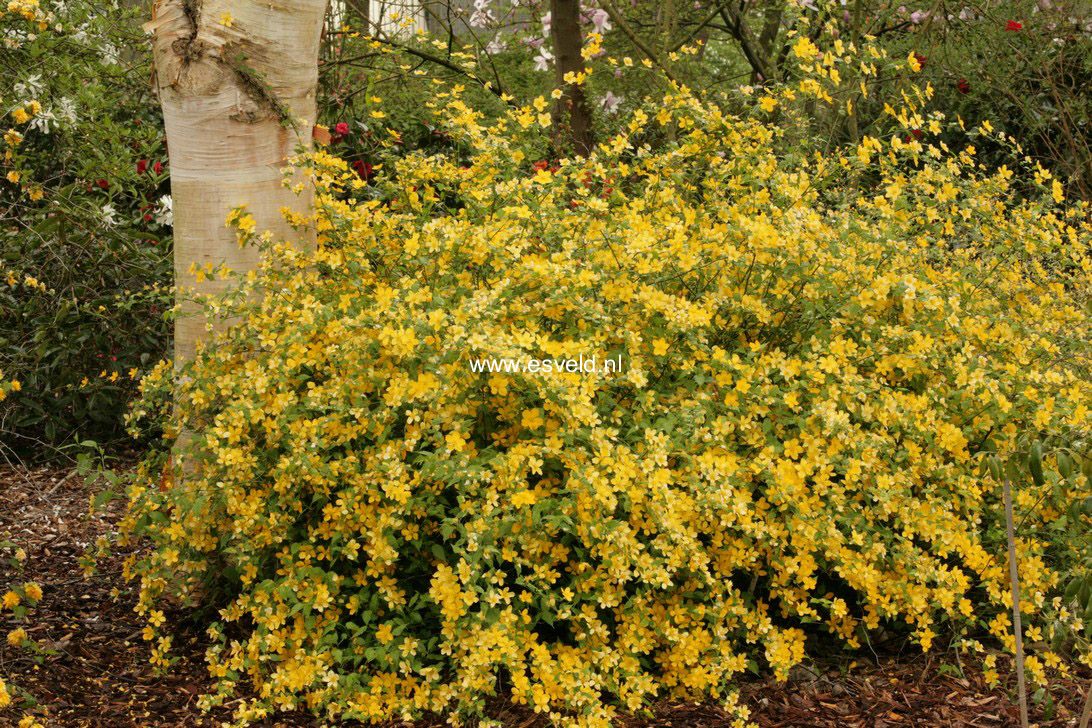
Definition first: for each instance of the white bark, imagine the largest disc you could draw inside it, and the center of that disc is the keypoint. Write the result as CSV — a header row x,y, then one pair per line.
x,y
237,83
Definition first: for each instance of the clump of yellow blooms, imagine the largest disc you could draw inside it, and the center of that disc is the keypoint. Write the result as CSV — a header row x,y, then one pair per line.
x,y
814,349
18,599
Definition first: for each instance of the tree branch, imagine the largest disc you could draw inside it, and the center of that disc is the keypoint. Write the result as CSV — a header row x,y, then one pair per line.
x,y
743,34
636,40
495,89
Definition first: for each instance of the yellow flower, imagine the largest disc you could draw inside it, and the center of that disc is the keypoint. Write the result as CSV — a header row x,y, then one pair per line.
x,y
33,591
20,116
532,419
805,49
227,20
16,637
384,634
767,103
14,176
1058,192
10,600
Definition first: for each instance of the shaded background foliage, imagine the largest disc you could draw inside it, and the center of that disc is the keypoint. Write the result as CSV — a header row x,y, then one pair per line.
x,y
85,264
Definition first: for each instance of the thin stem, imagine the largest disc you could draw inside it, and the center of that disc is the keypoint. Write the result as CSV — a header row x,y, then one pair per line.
x,y
1014,578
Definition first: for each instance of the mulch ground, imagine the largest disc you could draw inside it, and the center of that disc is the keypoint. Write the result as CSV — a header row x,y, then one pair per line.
x,y
100,675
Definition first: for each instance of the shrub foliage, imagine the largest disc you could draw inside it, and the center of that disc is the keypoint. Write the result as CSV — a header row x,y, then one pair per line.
x,y
85,238
815,351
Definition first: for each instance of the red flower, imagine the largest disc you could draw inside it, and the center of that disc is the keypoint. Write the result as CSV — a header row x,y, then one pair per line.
x,y
341,128
103,184
142,166
540,166
158,167
920,59
363,169
1013,26
963,86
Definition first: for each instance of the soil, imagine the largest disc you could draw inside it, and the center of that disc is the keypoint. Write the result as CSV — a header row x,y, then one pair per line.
x,y
99,675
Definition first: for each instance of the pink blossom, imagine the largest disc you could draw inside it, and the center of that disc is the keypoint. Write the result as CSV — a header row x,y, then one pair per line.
x,y
601,20
610,102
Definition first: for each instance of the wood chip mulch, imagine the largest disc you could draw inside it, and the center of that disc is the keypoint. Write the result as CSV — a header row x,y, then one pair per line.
x,y
100,676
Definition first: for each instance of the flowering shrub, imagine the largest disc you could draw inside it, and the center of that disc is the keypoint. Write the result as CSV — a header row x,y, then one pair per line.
x,y
815,350
84,224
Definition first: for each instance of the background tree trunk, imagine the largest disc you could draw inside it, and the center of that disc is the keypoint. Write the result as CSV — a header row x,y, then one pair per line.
x,y
572,114
237,83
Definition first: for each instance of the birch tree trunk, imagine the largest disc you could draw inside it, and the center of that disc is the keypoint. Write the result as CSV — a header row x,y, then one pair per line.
x,y
237,82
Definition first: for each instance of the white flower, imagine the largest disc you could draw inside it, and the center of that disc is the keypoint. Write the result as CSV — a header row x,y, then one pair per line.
x,y
546,20
43,120
495,46
918,15
109,54
164,213
33,86
109,215
66,110
543,59
482,15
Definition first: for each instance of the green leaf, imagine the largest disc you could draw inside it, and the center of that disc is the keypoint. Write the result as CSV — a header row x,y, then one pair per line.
x,y
1065,465
1035,462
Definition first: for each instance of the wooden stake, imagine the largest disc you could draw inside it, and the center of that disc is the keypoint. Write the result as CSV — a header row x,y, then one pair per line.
x,y
1087,714
1014,578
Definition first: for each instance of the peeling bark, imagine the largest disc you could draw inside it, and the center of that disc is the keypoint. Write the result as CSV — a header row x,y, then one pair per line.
x,y
237,83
